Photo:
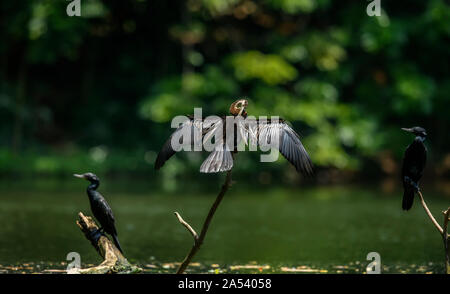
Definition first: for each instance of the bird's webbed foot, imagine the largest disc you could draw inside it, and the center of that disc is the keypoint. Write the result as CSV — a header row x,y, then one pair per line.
x,y
412,183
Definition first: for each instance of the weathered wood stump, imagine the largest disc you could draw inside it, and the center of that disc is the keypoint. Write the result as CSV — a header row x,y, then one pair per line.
x,y
114,261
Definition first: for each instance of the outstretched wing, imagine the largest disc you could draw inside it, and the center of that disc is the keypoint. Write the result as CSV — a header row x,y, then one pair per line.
x,y
289,144
192,126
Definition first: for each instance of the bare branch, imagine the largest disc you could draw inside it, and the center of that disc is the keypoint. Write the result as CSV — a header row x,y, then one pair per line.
x,y
430,215
114,261
199,240
187,226
446,220
442,231
445,237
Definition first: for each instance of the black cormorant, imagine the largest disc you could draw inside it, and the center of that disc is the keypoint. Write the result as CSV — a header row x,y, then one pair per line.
x,y
221,159
100,208
413,165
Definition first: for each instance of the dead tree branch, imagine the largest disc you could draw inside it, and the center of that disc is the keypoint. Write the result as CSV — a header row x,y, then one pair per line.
x,y
446,238
430,215
198,239
187,226
442,230
114,261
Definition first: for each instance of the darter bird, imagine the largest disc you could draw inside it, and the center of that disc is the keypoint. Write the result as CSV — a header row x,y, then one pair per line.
x,y
413,164
262,133
100,208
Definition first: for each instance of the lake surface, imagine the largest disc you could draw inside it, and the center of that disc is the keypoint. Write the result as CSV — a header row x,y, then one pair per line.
x,y
256,229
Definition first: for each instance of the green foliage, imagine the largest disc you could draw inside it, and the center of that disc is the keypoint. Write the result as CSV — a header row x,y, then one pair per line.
x,y
216,7
191,88
117,76
99,159
293,6
271,69
413,92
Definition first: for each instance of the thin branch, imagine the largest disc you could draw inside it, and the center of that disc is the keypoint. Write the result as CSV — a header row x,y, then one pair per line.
x,y
187,226
430,215
445,237
199,240
446,220
442,231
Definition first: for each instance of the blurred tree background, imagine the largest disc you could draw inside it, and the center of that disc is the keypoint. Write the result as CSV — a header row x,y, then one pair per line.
x,y
98,92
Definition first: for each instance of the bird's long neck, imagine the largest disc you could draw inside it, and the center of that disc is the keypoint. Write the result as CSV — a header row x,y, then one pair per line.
x,y
91,189
243,114
420,138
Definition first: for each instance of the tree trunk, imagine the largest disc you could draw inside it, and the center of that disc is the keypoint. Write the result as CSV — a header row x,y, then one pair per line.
x,y
114,262
448,260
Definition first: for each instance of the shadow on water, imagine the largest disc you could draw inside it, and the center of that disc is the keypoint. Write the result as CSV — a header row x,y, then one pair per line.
x,y
256,229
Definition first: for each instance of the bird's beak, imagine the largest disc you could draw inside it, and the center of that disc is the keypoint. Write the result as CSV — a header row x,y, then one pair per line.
x,y
407,130
78,176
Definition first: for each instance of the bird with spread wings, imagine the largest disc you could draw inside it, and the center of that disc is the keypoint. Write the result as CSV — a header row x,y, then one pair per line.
x,y
264,133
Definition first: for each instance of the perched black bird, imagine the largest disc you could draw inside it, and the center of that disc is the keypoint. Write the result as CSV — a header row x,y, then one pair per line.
x,y
100,208
413,165
261,133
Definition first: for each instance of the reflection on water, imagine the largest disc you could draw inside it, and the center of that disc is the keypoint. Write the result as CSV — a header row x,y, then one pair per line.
x,y
264,230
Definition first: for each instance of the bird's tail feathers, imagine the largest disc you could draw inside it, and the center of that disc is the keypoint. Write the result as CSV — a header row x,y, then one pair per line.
x,y
219,160
408,198
116,242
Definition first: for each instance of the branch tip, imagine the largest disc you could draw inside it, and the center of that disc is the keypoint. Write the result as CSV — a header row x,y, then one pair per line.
x,y
187,226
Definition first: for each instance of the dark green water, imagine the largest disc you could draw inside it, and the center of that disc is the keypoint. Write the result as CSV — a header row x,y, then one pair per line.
x,y
264,229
